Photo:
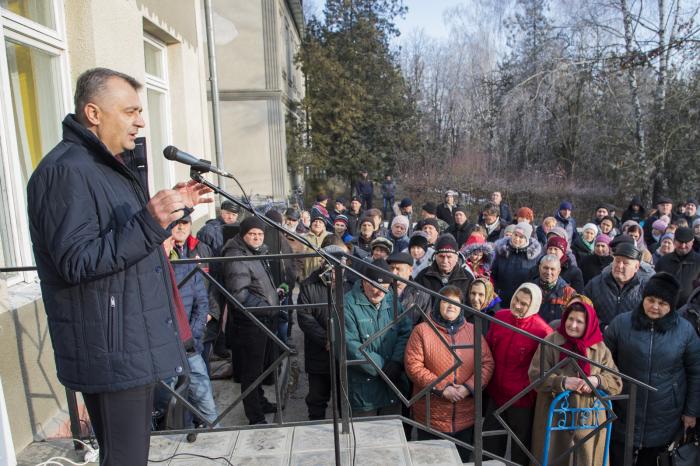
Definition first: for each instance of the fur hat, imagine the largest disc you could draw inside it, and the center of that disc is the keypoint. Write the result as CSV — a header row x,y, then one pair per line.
x,y
419,239
663,285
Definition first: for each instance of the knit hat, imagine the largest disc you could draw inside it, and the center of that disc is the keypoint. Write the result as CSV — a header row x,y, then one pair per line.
x,y
321,197
400,258
664,286
429,221
461,209
601,238
446,244
628,250
509,229
292,214
558,231
419,239
249,223
400,219
525,212
691,200
696,222
666,236
557,242
382,243
566,205
590,226
369,220
475,238
230,207
379,276
524,228
274,215
340,200
430,207
684,235
405,202
659,225
318,216
341,218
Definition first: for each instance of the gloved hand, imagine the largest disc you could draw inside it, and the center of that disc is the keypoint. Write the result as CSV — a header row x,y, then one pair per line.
x,y
393,371
282,291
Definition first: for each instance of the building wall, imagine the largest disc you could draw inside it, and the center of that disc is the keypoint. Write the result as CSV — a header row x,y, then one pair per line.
x,y
104,33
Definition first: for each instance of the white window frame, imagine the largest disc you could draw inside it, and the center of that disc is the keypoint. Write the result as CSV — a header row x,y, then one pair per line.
x,y
161,85
26,32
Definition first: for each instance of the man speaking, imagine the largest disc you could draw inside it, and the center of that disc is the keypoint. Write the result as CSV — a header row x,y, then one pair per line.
x,y
108,288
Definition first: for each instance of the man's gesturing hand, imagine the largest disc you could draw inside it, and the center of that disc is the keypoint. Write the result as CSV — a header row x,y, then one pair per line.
x,y
193,193
166,207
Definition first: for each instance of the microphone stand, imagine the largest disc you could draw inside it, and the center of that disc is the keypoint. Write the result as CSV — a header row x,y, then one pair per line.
x,y
332,261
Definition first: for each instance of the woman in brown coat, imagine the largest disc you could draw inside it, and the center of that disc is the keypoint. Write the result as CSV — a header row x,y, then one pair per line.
x,y
426,358
579,332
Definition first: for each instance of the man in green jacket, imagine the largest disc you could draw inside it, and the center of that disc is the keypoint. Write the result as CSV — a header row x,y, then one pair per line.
x,y
367,311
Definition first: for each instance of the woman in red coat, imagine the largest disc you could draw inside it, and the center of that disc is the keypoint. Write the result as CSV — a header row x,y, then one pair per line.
x,y
426,358
512,354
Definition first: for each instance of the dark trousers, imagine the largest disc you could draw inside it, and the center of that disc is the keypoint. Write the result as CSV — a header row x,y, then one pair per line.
x,y
466,436
366,201
519,420
644,456
319,395
122,424
250,355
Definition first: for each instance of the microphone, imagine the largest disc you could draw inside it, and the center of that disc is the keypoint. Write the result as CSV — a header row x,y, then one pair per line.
x,y
204,166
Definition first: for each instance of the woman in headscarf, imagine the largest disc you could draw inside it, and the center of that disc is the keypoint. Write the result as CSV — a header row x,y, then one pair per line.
x,y
584,243
427,357
579,331
482,297
512,353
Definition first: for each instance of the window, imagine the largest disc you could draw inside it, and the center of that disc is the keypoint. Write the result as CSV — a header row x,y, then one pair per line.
x,y
34,98
158,113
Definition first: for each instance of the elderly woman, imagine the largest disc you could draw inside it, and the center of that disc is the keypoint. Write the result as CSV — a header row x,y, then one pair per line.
x,y
482,297
515,256
585,242
655,345
594,264
579,331
426,358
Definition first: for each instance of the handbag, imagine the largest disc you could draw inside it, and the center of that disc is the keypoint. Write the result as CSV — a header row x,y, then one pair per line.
x,y
683,451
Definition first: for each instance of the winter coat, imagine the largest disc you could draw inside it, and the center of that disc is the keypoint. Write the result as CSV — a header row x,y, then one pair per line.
x,y
573,276
666,355
461,232
609,300
511,267
630,214
554,300
212,234
568,224
593,265
251,284
648,237
431,278
591,452
484,267
194,293
685,268
400,244
541,236
312,263
512,354
319,210
427,358
282,270
691,310
105,280
364,187
445,213
413,301
580,249
496,233
388,189
354,221
314,323
366,389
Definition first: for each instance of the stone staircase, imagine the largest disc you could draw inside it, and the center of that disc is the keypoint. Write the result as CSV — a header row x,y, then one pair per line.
x,y
379,443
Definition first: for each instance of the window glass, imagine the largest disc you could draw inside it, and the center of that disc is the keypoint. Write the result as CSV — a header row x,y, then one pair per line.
x,y
158,138
40,11
35,90
154,60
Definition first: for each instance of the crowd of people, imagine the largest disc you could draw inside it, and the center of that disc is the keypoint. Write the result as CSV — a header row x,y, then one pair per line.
x,y
607,291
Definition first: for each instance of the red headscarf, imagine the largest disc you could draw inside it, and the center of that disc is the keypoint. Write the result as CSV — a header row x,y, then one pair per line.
x,y
590,337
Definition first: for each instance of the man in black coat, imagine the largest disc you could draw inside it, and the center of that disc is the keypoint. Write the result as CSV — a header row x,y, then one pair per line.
x,y
116,320
364,188
445,269
664,206
251,284
683,263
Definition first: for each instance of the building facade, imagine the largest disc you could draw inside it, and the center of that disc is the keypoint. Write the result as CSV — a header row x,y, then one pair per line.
x,y
47,44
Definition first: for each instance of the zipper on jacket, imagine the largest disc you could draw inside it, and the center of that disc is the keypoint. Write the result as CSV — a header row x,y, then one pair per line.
x,y
112,324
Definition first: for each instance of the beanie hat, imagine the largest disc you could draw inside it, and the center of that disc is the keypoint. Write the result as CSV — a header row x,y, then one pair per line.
x,y
430,221
400,258
475,238
318,216
274,215
341,218
590,226
340,200
666,236
566,205
558,231
249,223
379,276
430,207
509,229
691,200
524,228
400,219
684,235
525,212
230,207
696,222
446,244
321,197
335,250
419,239
557,242
659,225
664,286
383,243
405,202
369,220
601,238
461,209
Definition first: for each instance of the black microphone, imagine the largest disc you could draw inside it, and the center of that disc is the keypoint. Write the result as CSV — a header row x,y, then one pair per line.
x,y
204,166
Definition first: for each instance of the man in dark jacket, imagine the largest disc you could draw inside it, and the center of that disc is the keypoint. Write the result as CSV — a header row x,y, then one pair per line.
x,y
445,269
445,211
461,228
618,289
691,310
683,263
117,323
566,221
354,215
412,299
313,321
492,222
212,233
251,284
664,206
364,188
388,193
556,292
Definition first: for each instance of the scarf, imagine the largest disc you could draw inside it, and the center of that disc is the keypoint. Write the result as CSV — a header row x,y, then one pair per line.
x,y
450,325
490,293
590,337
183,323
